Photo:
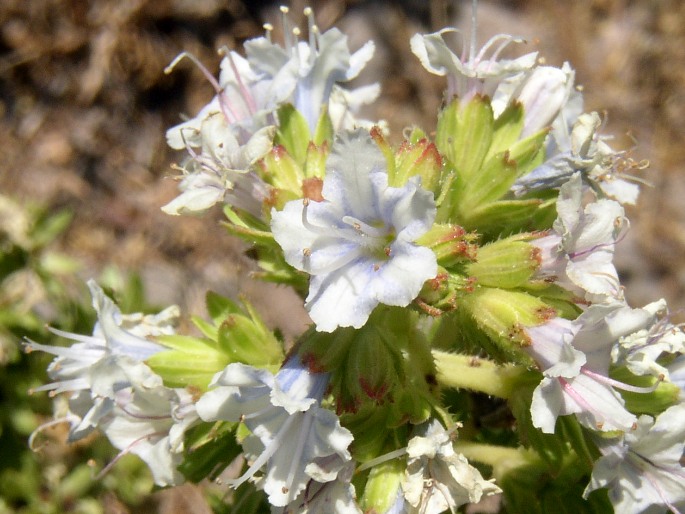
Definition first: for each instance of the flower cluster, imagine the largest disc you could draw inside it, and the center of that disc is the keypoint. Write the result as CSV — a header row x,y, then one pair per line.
x,y
475,261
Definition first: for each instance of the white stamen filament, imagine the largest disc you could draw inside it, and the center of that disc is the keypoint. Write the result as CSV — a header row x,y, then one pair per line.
x,y
619,385
126,451
286,29
364,228
264,456
244,92
474,27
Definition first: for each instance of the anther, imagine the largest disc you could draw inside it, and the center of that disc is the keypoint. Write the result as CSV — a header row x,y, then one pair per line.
x,y
307,252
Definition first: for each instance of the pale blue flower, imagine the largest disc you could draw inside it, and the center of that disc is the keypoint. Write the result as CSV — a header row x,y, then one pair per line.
x,y
437,478
293,436
358,243
477,73
115,335
642,469
640,351
574,357
579,254
578,147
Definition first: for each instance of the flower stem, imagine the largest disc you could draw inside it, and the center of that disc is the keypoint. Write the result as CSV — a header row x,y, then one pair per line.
x,y
502,458
482,375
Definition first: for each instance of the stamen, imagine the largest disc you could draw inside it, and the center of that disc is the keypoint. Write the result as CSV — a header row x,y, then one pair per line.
x,y
474,27
620,385
41,428
264,456
312,29
126,451
400,452
286,29
244,92
363,228
268,29
196,61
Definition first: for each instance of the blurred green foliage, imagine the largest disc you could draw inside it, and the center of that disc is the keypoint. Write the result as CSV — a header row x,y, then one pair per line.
x,y
39,286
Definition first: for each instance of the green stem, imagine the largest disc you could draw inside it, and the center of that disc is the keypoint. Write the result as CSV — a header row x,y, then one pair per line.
x,y
482,375
502,458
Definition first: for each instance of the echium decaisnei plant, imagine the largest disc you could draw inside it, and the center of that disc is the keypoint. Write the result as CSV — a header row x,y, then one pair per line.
x,y
470,335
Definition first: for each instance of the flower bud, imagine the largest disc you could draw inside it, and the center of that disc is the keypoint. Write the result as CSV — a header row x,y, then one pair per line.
x,y
506,263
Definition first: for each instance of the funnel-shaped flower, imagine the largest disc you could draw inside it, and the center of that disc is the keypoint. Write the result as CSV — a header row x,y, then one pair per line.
x,y
114,336
293,436
574,357
438,478
642,469
476,74
358,243
580,253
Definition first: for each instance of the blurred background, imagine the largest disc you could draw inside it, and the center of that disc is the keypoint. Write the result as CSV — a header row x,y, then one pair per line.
x,y
84,169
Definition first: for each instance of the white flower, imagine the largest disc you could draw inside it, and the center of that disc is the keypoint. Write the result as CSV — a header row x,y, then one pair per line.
x,y
221,172
579,254
640,350
642,470
580,150
337,496
437,478
115,335
574,357
293,436
358,243
148,420
306,73
543,93
477,74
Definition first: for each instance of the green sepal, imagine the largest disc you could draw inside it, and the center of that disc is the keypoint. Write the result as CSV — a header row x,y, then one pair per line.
x,y
324,131
210,449
293,132
416,135
464,136
499,172
387,151
451,244
503,315
369,425
504,217
247,340
507,128
653,403
190,361
240,333
382,486
315,167
247,229
421,158
506,263
280,169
